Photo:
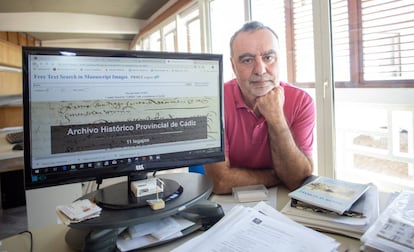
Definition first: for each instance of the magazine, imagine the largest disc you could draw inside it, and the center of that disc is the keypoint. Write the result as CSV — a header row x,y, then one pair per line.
x,y
327,221
330,194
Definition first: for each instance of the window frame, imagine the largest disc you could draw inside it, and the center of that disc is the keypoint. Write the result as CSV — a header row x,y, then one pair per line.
x,y
355,57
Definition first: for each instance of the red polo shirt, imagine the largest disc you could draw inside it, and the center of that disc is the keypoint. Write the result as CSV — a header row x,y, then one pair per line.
x,y
247,143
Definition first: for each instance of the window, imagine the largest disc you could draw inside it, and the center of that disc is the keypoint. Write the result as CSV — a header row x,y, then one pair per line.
x,y
191,33
302,34
387,40
155,41
368,51
145,45
170,37
223,25
181,32
373,40
373,47
340,37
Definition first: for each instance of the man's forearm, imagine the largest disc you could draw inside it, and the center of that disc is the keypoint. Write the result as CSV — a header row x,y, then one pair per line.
x,y
225,178
292,166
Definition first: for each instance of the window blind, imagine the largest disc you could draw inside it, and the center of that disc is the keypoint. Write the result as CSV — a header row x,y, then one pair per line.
x,y
303,41
387,39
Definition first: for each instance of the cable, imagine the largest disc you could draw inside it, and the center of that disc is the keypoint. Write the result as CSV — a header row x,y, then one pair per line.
x,y
31,238
98,183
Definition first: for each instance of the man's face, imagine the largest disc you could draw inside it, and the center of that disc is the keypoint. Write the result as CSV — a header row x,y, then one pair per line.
x,y
255,63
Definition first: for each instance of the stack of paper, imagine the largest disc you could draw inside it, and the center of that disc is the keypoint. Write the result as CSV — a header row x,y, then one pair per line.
x,y
349,225
78,211
261,228
152,233
394,228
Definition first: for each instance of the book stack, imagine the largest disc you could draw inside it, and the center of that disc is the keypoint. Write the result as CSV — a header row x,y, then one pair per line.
x,y
335,206
394,228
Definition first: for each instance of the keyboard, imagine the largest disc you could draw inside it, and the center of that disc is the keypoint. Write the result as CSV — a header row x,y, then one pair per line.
x,y
14,137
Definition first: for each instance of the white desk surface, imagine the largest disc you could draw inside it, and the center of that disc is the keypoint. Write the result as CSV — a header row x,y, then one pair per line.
x,y
52,238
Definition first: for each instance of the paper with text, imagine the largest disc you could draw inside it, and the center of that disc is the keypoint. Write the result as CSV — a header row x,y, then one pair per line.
x,y
249,229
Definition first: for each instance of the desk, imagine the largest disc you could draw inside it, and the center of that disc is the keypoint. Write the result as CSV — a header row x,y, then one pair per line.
x,y
52,238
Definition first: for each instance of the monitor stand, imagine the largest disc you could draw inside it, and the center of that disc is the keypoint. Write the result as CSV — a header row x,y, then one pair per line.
x,y
92,240
105,240
100,234
120,195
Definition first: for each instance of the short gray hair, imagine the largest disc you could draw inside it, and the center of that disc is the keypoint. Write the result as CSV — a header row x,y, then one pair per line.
x,y
251,27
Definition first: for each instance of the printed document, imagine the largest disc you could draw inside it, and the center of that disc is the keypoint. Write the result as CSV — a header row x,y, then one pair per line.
x,y
393,230
261,228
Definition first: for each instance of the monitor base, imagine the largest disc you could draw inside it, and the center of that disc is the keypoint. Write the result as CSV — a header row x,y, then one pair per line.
x,y
89,233
121,197
92,240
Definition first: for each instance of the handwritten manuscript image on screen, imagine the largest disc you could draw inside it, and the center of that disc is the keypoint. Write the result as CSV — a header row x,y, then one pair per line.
x,y
59,127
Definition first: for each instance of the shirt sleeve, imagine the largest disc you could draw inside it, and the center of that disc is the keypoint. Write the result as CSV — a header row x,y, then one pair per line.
x,y
303,123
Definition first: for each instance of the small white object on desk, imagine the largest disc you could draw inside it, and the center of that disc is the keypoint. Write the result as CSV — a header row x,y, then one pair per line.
x,y
229,201
250,193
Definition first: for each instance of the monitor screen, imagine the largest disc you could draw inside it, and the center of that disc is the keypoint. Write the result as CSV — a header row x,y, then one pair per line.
x,y
93,114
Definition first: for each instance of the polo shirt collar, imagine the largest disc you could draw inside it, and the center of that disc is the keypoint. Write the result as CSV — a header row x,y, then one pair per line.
x,y
240,104
238,98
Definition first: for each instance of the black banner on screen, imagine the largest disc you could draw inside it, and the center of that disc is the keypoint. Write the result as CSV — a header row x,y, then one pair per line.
x,y
75,138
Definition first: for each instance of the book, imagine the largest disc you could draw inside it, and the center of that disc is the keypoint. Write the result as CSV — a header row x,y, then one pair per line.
x,y
331,194
354,211
327,221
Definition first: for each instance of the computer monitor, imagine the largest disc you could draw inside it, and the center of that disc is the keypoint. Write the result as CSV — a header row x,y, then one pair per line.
x,y
91,114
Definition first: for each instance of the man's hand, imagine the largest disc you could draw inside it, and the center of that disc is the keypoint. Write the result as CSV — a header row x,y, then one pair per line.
x,y
270,104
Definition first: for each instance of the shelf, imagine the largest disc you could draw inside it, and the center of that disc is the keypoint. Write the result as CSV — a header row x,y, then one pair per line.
x,y
11,112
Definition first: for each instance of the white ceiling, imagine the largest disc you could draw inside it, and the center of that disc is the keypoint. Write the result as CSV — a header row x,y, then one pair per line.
x,y
63,19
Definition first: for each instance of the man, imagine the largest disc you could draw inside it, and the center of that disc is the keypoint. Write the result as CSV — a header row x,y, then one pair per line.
x,y
269,124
